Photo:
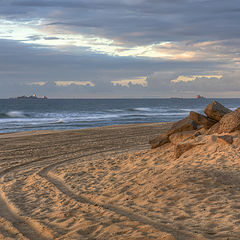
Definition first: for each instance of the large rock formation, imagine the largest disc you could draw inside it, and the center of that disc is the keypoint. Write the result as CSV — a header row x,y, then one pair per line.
x,y
184,133
216,111
230,122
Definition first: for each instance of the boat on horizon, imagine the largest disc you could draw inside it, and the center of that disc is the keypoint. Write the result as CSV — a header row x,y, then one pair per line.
x,y
176,97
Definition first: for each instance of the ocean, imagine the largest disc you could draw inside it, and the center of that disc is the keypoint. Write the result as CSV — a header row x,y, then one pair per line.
x,y
44,114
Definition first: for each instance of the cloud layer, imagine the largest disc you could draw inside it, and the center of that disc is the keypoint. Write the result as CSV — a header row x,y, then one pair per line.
x,y
104,48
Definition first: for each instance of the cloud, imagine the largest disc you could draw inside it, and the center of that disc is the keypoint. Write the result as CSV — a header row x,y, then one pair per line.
x,y
125,82
37,33
37,83
29,32
155,20
139,29
194,77
215,85
46,65
78,83
181,46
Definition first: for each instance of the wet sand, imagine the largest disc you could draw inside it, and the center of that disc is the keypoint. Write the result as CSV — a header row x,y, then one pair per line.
x,y
106,183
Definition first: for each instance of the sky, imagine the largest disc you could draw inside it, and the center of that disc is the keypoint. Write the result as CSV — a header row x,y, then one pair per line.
x,y
120,49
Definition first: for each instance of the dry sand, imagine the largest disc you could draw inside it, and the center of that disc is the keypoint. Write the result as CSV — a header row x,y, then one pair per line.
x,y
105,183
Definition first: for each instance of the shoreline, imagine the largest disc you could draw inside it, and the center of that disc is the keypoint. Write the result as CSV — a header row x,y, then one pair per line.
x,y
52,131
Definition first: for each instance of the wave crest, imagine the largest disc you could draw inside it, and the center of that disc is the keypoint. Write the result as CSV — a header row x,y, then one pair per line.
x,y
15,114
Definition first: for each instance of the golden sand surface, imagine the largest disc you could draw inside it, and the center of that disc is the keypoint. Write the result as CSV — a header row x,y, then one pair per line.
x,y
106,183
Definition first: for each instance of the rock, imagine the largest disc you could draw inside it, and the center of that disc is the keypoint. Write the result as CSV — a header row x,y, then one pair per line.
x,y
216,111
230,122
182,136
182,148
202,131
201,119
159,140
236,139
220,138
236,134
185,124
225,139
213,129
212,139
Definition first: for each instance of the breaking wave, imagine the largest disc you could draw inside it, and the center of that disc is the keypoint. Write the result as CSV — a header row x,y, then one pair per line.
x,y
76,114
13,114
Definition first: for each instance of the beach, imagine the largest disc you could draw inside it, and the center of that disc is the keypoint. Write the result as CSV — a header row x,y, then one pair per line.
x,y
106,183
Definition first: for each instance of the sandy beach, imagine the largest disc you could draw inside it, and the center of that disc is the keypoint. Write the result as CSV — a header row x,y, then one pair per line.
x,y
106,183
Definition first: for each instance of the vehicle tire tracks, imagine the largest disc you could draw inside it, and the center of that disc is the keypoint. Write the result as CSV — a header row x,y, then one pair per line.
x,y
18,222
62,187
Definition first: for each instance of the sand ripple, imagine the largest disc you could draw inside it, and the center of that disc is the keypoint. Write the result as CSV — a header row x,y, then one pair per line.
x,y
105,183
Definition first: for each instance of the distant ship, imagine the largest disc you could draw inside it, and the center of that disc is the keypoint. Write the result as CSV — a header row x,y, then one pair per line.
x,y
34,96
199,97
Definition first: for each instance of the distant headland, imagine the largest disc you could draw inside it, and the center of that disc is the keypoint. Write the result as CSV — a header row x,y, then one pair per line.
x,y
199,97
33,96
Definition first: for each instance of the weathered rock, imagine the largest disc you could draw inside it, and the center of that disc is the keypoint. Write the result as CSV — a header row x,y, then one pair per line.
x,y
236,139
225,139
212,139
159,140
230,122
202,131
216,111
182,148
213,129
185,124
236,134
182,136
201,119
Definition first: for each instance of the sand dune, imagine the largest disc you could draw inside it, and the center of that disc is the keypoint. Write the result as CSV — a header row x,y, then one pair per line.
x,y
105,183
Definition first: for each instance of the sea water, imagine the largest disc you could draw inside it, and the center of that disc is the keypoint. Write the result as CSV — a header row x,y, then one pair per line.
x,y
45,114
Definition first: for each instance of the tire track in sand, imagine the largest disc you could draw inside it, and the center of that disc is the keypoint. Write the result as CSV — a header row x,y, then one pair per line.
x,y
62,187
27,230
18,222
24,225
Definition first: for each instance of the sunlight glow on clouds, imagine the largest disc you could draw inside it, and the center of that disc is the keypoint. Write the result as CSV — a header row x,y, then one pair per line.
x,y
136,81
105,48
33,32
18,31
194,77
78,83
